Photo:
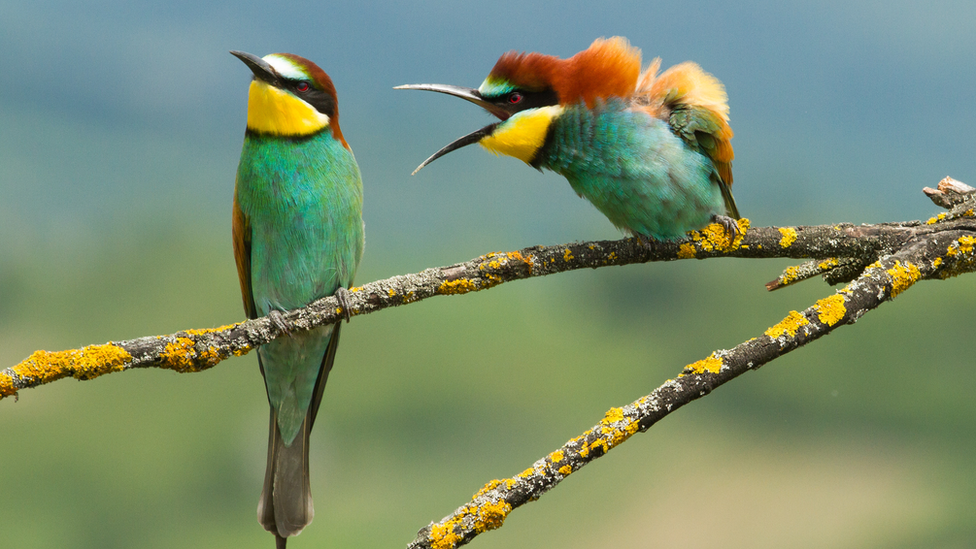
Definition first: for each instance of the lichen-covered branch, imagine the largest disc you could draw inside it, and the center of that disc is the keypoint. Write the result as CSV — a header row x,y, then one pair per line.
x,y
842,251
927,255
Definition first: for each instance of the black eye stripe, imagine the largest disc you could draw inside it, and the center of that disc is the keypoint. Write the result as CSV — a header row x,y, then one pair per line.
x,y
520,99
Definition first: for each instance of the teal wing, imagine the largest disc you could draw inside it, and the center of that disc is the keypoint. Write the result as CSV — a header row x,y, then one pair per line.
x,y
706,131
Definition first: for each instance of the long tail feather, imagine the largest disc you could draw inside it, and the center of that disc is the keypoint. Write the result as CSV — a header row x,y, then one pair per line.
x,y
285,507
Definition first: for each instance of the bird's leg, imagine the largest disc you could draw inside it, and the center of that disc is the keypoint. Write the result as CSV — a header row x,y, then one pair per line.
x,y
650,244
343,295
278,320
730,225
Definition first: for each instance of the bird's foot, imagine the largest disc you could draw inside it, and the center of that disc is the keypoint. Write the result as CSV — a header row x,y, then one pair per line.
x,y
278,320
343,295
650,244
730,225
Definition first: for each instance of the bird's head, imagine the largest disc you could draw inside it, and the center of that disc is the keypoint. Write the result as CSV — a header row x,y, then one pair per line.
x,y
289,96
526,91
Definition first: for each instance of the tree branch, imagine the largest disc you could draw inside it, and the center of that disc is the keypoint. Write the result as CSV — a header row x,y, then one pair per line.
x,y
842,251
928,254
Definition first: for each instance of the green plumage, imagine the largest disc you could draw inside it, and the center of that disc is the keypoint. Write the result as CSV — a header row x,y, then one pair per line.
x,y
635,170
303,199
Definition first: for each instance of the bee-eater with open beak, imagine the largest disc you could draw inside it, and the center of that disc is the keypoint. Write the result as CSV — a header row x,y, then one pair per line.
x,y
651,151
298,236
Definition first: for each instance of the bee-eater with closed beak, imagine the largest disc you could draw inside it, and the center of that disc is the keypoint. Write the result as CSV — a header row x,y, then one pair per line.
x,y
298,236
651,151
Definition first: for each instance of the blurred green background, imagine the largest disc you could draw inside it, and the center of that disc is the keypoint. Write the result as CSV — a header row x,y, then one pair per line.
x,y
120,130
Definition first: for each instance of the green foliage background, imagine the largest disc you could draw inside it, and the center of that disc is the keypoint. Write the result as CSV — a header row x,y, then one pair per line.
x,y
121,130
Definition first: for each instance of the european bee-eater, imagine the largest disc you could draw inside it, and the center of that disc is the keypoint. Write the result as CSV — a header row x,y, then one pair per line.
x,y
651,151
298,236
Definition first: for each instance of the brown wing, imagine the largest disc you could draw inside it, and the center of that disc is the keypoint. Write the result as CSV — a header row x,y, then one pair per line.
x,y
695,105
242,254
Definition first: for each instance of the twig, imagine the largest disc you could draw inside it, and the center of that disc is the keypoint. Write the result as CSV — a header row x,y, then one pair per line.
x,y
196,350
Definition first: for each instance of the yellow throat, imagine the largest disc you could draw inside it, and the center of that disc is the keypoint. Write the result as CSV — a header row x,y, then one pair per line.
x,y
275,111
522,134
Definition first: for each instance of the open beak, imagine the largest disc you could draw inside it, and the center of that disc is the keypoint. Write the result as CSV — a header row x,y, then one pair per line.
x,y
468,94
261,69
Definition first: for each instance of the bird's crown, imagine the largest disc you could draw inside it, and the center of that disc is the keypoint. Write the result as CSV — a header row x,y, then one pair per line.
x,y
609,67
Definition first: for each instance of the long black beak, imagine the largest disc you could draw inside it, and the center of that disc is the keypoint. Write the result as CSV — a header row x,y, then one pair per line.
x,y
468,94
462,141
261,69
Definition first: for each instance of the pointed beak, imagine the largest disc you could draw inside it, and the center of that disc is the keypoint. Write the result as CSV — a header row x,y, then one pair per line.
x,y
462,141
261,69
468,94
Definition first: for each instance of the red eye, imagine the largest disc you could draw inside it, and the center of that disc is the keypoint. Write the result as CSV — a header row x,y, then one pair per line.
x,y
515,98
302,86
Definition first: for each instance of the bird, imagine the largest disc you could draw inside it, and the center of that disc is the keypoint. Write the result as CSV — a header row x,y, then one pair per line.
x,y
298,236
651,151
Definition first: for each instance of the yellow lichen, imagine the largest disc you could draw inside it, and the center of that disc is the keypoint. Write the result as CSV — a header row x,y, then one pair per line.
x,y
790,275
711,364
601,444
391,292
210,357
178,355
456,287
789,325
831,309
87,363
205,331
565,470
962,246
7,387
714,238
556,456
828,264
489,486
936,262
613,415
517,256
789,236
936,219
491,515
567,255
242,351
442,536
686,251
492,280
902,277
616,433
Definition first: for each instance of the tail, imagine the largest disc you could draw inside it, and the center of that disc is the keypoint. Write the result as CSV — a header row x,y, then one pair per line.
x,y
285,507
